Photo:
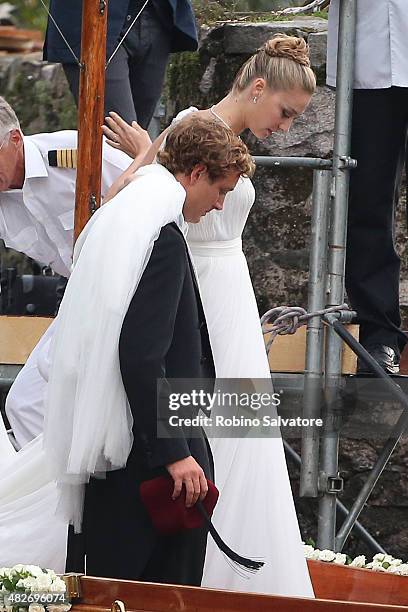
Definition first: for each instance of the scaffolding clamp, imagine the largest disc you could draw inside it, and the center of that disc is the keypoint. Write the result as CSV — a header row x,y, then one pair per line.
x,y
342,316
346,162
331,484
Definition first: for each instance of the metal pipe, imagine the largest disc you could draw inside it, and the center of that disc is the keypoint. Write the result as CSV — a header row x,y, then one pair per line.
x,y
290,162
337,248
398,429
358,528
312,393
361,352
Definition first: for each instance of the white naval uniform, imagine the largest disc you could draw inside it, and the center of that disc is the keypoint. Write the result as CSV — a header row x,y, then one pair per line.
x,y
38,220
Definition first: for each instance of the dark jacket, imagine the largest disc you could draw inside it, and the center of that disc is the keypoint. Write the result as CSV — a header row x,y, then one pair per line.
x,y
164,334
68,16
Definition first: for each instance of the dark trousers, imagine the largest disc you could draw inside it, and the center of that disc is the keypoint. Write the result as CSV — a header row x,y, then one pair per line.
x,y
173,559
379,134
118,538
134,77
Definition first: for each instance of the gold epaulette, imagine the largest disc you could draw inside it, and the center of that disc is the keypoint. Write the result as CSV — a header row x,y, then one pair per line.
x,y
63,158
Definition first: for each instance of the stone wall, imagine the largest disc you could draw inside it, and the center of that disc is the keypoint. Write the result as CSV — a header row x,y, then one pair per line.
x,y
277,235
38,93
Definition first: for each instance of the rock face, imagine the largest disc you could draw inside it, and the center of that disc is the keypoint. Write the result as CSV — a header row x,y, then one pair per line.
x,y
277,235
247,37
38,93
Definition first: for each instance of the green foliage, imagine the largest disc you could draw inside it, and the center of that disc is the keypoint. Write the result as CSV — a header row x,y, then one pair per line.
x,y
30,14
39,102
322,14
183,74
210,11
259,5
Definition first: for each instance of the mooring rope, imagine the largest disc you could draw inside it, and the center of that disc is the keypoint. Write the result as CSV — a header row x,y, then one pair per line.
x,y
284,320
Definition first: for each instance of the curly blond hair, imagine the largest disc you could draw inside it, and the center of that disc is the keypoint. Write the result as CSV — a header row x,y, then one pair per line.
x,y
198,140
283,61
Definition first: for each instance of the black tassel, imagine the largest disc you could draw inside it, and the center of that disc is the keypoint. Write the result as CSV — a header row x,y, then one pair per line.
x,y
248,564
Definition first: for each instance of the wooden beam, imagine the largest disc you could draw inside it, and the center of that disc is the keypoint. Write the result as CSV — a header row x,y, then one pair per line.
x,y
288,353
90,110
19,335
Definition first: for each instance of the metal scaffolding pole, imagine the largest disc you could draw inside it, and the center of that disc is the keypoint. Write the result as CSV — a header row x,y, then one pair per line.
x,y
359,530
293,162
397,431
312,393
329,483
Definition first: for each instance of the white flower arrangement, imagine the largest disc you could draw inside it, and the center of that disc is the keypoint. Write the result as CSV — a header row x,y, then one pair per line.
x,y
29,588
380,563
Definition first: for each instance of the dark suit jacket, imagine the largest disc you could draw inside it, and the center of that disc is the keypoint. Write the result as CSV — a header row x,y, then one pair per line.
x,y
164,334
68,16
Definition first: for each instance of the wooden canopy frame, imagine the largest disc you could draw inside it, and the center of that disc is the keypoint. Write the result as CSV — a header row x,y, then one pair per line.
x,y
90,110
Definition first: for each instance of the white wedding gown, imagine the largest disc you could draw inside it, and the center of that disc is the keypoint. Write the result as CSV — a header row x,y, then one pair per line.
x,y
30,532
255,514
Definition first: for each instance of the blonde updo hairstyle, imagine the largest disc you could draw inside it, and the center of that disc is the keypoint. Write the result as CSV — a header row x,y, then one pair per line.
x,y
283,61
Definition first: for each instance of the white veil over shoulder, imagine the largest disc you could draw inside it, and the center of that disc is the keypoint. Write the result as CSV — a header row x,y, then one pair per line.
x,y
88,423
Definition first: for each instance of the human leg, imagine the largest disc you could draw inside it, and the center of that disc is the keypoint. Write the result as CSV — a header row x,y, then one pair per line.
x,y
380,120
118,94
147,67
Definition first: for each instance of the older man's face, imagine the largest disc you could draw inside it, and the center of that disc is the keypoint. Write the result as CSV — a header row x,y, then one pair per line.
x,y
12,161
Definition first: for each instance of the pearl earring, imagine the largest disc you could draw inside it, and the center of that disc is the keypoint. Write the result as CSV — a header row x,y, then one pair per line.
x,y
255,100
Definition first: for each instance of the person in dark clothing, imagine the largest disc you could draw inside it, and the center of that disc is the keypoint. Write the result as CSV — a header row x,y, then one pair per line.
x,y
134,76
378,143
164,336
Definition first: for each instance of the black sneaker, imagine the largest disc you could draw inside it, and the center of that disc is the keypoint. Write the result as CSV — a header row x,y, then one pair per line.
x,y
385,356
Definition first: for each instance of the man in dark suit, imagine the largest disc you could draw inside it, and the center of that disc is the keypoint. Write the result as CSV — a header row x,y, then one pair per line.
x,y
134,77
164,336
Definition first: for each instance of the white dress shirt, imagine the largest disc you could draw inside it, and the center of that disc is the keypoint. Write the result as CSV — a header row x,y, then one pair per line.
x,y
381,44
38,219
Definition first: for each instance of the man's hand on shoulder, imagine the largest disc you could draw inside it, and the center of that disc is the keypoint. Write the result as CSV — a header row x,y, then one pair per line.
x,y
188,472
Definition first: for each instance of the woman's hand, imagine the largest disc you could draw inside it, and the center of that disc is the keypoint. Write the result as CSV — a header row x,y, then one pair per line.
x,y
145,155
132,139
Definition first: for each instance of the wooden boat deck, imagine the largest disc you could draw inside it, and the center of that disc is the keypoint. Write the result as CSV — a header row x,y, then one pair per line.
x,y
99,595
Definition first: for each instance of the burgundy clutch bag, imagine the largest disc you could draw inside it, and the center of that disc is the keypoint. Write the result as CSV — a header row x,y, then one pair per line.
x,y
170,516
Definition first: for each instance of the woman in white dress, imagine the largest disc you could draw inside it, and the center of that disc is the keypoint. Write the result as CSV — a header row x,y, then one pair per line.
x,y
255,514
